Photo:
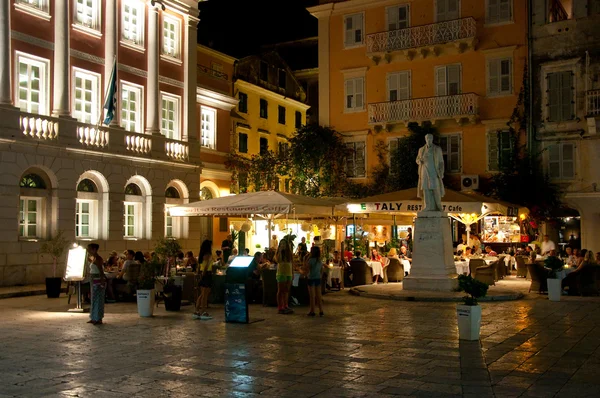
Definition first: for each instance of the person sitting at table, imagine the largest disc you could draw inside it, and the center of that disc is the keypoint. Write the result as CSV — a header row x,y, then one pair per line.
x,y
571,259
147,256
339,262
246,252
139,257
489,252
190,261
405,254
581,257
112,263
123,276
375,256
476,243
234,254
570,281
393,253
468,252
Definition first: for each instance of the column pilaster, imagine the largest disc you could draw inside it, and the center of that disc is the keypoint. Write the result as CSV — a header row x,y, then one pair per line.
x,y
5,54
152,89
190,119
61,59
111,34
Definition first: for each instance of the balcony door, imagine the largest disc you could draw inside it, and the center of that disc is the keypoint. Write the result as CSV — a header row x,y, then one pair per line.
x,y
448,87
398,91
447,10
397,20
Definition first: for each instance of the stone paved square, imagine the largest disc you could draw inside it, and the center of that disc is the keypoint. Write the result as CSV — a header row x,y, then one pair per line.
x,y
363,347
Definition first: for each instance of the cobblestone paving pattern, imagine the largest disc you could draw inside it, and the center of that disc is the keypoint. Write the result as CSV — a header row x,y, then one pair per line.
x,y
361,348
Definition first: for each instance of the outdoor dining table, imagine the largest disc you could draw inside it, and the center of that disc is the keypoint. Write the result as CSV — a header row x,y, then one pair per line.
x,y
406,264
462,267
334,273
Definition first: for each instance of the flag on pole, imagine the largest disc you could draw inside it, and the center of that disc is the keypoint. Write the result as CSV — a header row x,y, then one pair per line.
x,y
110,104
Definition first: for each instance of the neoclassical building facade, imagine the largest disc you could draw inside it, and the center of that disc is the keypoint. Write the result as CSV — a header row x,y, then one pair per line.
x,y
60,168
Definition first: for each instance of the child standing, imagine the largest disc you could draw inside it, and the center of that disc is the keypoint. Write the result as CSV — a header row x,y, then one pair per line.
x,y
315,268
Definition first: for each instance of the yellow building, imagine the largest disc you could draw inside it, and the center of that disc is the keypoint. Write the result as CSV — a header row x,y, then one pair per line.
x,y
456,63
271,103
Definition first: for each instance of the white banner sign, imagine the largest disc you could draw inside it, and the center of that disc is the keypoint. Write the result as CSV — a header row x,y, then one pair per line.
x,y
228,210
412,207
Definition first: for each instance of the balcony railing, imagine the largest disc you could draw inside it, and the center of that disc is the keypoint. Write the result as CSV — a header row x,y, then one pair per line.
x,y
422,36
592,103
455,107
213,73
69,133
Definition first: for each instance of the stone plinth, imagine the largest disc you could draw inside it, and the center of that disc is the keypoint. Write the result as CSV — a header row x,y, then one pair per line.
x,y
433,259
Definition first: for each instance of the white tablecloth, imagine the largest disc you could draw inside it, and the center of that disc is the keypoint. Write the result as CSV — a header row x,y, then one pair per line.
x,y
462,267
406,265
334,273
376,267
562,274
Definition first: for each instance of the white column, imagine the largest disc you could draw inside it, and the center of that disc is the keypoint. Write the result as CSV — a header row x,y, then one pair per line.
x,y
190,121
61,58
5,55
111,34
152,109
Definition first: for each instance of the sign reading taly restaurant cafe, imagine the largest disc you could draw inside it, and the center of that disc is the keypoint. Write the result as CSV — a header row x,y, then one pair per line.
x,y
412,207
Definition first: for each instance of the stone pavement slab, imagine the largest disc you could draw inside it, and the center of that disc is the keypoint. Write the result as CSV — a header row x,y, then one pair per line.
x,y
361,348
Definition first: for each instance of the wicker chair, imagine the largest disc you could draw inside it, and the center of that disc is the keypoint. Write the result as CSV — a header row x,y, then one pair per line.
x,y
499,269
475,263
521,266
394,272
583,282
361,272
485,274
539,278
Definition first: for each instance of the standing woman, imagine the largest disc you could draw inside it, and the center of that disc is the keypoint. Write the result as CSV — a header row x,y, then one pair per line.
x,y
205,270
98,284
315,267
285,274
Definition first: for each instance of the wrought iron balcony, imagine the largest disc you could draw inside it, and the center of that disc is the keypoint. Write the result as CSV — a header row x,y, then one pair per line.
x,y
69,133
428,38
212,72
592,103
448,107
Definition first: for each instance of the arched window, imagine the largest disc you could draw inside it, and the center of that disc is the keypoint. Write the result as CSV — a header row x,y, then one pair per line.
x,y
133,189
172,193
32,181
206,194
87,185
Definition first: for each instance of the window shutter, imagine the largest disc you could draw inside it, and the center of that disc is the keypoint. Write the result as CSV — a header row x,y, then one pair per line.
x,y
403,17
349,94
492,11
566,95
441,10
553,96
358,23
349,37
392,18
350,159
358,88
454,155
505,12
440,81
360,159
492,141
452,10
404,85
392,82
540,12
568,161
494,72
454,79
505,76
554,161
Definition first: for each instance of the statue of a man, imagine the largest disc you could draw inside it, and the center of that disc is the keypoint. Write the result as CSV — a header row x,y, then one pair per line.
x,y
431,172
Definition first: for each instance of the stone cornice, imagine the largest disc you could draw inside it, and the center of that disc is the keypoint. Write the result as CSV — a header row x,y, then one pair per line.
x,y
326,10
216,54
213,98
242,84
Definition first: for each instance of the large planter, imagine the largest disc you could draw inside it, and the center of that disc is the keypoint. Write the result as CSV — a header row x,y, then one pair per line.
x,y
53,286
554,289
469,321
172,296
145,302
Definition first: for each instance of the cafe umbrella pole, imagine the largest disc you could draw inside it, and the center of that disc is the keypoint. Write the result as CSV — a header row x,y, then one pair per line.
x,y
354,232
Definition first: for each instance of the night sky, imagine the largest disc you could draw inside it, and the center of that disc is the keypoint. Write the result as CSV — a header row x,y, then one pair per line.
x,y
239,28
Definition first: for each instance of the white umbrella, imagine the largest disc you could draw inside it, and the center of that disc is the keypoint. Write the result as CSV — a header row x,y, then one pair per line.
x,y
266,204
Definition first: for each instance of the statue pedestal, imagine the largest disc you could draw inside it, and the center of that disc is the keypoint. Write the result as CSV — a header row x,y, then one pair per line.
x,y
433,258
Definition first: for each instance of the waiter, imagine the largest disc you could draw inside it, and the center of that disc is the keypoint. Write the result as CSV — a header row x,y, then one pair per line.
x,y
226,247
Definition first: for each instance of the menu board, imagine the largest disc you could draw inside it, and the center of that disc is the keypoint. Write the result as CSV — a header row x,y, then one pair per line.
x,y
76,260
236,306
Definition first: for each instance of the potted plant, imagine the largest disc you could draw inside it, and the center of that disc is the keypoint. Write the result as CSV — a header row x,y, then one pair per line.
x,y
167,250
469,313
55,247
149,271
554,283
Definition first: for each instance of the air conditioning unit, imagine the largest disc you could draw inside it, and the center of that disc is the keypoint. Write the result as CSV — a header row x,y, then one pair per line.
x,y
469,182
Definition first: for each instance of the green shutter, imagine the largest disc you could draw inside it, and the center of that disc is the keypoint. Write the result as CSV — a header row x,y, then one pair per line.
x,y
492,141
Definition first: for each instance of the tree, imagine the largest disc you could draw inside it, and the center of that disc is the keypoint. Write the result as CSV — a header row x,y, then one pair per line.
x,y
317,161
261,171
521,179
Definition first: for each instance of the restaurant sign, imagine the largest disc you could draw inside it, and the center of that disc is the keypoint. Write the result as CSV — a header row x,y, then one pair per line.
x,y
412,207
